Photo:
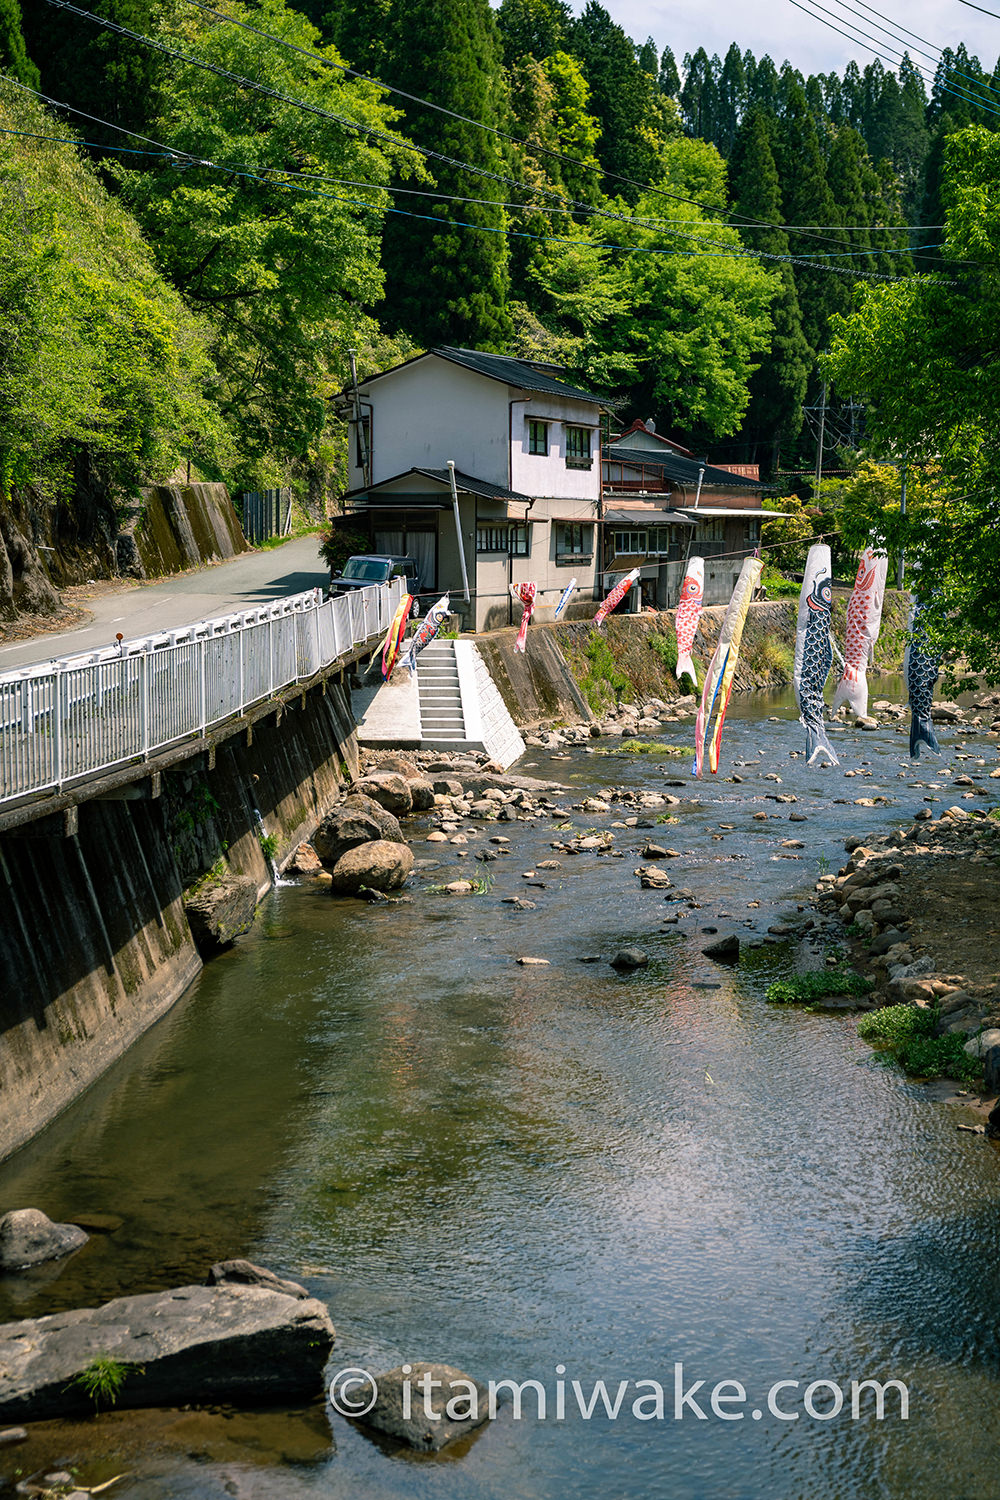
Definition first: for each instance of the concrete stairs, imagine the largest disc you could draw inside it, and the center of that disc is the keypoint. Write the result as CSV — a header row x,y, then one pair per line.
x,y
439,690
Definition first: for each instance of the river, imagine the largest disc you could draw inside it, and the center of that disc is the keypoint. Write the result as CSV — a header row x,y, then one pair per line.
x,y
513,1169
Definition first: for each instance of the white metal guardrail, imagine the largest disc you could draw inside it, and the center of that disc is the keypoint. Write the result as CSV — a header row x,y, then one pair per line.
x,y
64,721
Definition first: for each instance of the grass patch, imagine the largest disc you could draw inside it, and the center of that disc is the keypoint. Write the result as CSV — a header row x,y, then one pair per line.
x,y
778,586
103,1378
803,989
904,1032
772,656
603,682
268,845
647,747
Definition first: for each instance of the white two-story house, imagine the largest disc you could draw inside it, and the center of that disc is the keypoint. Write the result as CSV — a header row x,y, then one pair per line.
x,y
526,451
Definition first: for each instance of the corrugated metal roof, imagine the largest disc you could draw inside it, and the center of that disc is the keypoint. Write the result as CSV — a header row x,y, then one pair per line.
x,y
646,518
685,470
516,372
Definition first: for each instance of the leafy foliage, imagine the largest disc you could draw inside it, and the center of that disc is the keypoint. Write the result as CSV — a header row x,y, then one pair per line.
x,y
923,354
282,276
803,989
97,352
907,1033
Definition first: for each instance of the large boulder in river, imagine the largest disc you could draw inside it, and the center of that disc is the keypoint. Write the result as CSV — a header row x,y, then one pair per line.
x,y
28,1237
193,1345
378,866
220,913
389,790
358,820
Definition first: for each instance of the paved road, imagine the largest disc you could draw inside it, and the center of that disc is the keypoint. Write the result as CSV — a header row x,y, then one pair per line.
x,y
239,583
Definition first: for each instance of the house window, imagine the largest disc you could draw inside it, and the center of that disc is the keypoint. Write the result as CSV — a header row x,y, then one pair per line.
x,y
512,540
659,540
491,538
631,543
578,448
572,542
538,438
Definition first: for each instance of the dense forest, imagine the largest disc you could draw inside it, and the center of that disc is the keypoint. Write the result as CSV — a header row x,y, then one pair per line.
x,y
206,206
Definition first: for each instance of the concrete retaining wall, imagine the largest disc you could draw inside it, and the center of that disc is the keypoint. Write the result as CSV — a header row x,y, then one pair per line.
x,y
94,942
183,525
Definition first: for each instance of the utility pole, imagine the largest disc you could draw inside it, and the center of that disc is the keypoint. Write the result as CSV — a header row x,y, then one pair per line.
x,y
819,445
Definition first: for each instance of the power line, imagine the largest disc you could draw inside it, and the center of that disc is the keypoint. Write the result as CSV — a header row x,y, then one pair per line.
x,y
855,34
977,83
185,160
399,142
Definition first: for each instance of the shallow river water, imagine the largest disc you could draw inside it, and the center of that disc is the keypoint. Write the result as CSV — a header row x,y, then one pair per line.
x,y
514,1169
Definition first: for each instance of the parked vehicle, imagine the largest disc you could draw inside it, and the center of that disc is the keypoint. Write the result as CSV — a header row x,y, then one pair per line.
x,y
367,568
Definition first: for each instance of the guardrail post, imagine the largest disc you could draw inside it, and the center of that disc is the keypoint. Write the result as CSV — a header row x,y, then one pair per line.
x,y
58,696
144,702
201,684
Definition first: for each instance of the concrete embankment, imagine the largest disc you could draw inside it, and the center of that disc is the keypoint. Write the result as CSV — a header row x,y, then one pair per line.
x,y
571,671
95,941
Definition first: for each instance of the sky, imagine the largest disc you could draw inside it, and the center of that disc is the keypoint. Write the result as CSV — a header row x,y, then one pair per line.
x,y
777,27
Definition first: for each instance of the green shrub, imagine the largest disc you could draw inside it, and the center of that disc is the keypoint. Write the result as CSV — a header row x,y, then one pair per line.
x,y
778,586
802,989
603,683
938,1057
665,647
896,1024
906,1034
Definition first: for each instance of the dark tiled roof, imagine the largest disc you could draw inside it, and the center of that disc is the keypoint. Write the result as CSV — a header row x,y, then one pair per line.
x,y
466,482
684,470
519,372
473,486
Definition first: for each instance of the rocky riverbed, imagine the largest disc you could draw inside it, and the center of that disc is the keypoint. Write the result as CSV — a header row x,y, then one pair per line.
x,y
502,1081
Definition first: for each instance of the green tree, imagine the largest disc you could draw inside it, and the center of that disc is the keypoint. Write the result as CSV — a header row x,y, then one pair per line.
x,y
778,387
14,57
576,130
532,28
100,359
447,275
923,354
621,96
669,78
361,33
91,68
284,276
807,200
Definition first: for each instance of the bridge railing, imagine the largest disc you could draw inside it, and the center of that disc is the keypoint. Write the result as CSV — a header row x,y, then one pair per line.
x,y
67,720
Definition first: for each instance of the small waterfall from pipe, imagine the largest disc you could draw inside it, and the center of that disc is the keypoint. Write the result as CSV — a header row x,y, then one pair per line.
x,y
262,834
